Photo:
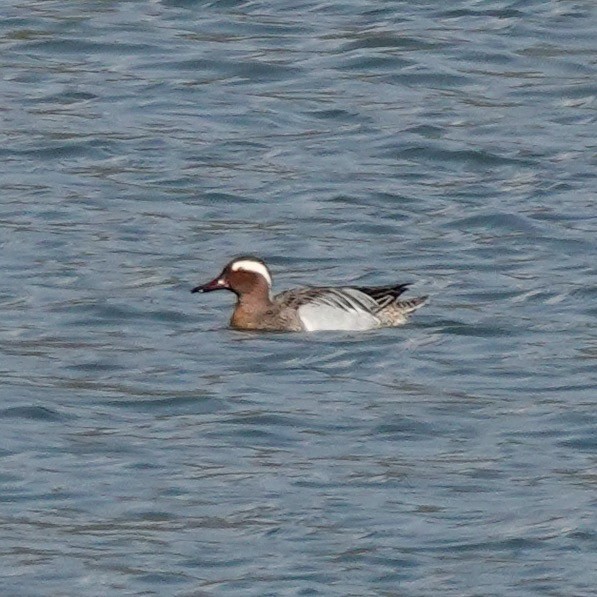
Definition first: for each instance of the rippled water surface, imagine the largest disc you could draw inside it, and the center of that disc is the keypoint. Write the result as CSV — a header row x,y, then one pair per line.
x,y
149,450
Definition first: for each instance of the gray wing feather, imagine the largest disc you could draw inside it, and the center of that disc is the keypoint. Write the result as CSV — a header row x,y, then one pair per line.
x,y
347,299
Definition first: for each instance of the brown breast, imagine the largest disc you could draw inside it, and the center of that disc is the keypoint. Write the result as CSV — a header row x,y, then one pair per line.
x,y
272,319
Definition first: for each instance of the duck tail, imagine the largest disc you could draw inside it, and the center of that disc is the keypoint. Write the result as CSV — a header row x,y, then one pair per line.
x,y
410,305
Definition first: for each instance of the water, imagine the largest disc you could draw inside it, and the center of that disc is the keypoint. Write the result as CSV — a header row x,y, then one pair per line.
x,y
148,449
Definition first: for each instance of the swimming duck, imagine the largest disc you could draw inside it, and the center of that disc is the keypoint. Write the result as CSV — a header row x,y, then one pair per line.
x,y
310,308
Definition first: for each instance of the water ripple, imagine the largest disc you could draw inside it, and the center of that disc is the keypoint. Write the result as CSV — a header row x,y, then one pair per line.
x,y
146,445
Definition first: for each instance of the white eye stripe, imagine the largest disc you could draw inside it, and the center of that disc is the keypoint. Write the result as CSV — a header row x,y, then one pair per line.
x,y
252,266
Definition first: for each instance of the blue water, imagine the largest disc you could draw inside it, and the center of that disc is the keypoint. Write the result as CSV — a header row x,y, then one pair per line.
x,y
146,449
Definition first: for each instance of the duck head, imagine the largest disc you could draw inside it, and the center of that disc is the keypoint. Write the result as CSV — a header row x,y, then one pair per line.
x,y
246,275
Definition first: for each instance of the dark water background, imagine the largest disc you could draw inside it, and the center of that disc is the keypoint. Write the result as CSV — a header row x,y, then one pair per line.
x,y
145,449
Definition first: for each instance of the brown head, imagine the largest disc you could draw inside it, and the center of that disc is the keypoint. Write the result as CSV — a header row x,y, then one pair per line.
x,y
245,276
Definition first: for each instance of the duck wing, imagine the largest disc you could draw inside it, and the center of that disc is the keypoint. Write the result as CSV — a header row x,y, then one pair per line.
x,y
343,298
384,295
331,308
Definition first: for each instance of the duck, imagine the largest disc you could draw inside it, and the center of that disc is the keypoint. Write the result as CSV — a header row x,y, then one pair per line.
x,y
308,309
